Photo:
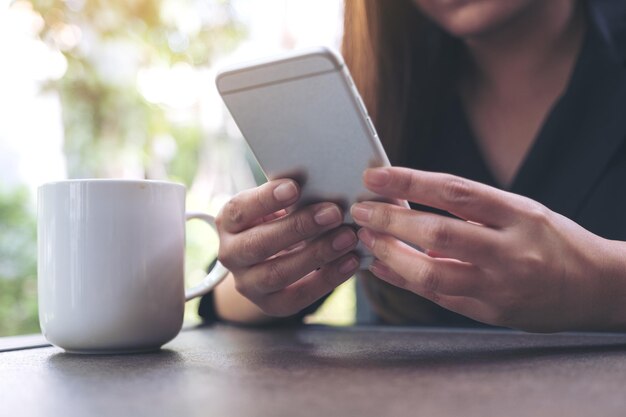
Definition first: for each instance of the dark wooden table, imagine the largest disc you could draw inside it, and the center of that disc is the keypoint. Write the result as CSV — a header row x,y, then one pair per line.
x,y
318,371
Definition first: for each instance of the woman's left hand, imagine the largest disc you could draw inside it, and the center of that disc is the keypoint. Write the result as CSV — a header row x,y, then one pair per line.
x,y
506,260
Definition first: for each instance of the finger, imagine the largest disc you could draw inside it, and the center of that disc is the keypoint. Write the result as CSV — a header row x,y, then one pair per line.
x,y
434,253
310,288
466,306
421,274
466,199
382,271
293,248
247,207
272,216
278,273
276,215
267,239
449,237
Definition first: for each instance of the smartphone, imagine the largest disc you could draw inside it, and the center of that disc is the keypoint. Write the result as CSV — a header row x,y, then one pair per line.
x,y
304,119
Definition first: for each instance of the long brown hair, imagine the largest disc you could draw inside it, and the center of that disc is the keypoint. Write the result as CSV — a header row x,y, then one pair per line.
x,y
404,66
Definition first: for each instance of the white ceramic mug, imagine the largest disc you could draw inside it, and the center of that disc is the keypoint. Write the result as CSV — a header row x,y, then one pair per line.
x,y
111,264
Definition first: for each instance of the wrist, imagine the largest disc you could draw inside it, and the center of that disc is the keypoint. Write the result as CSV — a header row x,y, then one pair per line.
x,y
611,296
233,307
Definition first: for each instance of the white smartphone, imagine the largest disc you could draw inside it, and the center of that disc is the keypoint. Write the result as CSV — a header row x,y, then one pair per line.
x,y
303,118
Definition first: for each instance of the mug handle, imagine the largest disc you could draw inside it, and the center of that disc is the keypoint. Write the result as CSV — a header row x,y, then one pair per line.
x,y
219,271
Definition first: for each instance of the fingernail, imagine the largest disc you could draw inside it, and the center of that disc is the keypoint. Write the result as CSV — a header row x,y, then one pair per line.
x,y
348,266
367,237
379,268
285,191
376,177
344,240
327,215
361,212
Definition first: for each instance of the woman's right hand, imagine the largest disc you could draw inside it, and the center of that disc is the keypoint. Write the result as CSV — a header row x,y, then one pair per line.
x,y
283,262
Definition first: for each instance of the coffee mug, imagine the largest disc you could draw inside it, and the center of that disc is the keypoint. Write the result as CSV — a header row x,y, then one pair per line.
x,y
111,264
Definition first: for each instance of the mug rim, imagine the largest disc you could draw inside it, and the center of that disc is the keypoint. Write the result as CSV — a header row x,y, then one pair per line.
x,y
125,181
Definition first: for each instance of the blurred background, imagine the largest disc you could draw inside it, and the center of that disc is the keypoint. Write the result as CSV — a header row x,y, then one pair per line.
x,y
124,89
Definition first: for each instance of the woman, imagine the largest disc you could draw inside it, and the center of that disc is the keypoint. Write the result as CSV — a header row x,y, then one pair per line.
x,y
510,117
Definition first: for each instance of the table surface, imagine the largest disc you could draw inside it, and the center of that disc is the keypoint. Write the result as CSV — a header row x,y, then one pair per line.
x,y
320,371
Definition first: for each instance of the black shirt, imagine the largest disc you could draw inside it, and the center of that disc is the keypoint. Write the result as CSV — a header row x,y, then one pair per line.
x,y
575,146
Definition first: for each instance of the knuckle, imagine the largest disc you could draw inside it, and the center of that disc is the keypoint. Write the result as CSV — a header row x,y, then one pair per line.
x,y
456,190
275,277
382,217
530,262
406,183
424,280
303,226
233,212
383,251
321,253
261,199
430,279
538,214
439,235
324,252
253,248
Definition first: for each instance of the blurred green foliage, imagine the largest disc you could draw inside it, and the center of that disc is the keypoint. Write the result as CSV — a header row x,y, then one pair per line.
x,y
18,267
105,117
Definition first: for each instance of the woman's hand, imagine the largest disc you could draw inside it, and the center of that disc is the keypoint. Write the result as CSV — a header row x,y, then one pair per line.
x,y
284,262
506,260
